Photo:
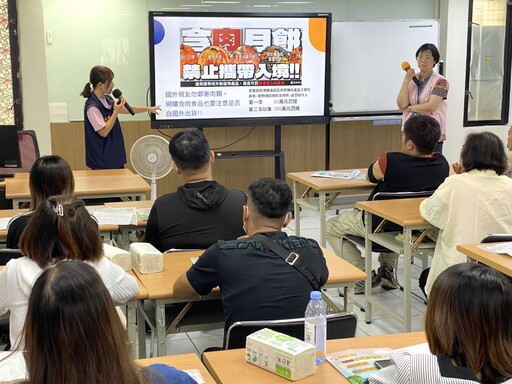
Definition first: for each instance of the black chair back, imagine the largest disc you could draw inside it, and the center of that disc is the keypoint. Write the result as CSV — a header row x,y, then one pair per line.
x,y
497,237
9,254
339,325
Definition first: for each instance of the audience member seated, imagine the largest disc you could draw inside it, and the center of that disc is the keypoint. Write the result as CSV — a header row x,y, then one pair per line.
x,y
469,332
73,334
472,204
256,283
49,176
60,228
415,168
201,211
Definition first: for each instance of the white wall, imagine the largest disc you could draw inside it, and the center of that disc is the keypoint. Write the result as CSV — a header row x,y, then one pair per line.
x,y
455,71
34,73
34,84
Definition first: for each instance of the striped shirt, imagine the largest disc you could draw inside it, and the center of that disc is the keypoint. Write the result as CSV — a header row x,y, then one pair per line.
x,y
422,368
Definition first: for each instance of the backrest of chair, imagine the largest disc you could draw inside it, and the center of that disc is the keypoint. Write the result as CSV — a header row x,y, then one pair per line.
x,y
401,195
7,254
339,325
497,237
29,152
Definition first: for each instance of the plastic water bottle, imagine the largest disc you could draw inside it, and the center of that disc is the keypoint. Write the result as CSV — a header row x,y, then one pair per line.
x,y
315,325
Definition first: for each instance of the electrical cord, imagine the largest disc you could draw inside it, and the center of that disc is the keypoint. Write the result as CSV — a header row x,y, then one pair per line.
x,y
234,142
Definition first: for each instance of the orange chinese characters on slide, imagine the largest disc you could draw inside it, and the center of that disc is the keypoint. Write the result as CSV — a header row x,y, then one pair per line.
x,y
245,54
213,55
187,56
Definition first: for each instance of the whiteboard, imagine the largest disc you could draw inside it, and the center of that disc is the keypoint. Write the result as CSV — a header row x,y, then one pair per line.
x,y
366,58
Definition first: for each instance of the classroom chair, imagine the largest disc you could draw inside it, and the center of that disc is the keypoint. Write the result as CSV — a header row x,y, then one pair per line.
x,y
29,152
339,326
497,237
420,252
7,254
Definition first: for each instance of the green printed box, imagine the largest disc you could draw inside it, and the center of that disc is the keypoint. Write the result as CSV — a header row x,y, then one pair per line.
x,y
281,354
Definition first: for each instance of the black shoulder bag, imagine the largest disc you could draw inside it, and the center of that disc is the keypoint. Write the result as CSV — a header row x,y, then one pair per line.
x,y
291,258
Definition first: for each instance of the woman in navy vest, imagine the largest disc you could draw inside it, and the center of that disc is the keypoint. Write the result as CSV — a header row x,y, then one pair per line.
x,y
104,143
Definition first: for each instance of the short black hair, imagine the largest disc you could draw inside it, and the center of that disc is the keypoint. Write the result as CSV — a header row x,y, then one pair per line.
x,y
483,151
429,47
189,149
271,197
423,131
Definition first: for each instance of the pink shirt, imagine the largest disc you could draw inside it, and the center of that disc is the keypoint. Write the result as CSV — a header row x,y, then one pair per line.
x,y
436,85
95,117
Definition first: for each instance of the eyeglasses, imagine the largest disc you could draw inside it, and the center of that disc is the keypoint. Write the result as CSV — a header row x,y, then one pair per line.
x,y
424,58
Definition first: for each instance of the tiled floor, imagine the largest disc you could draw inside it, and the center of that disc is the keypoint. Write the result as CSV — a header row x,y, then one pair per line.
x,y
381,324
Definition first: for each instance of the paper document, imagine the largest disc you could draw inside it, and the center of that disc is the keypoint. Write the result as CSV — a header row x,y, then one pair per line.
x,y
143,213
502,248
418,349
3,223
115,216
358,364
196,375
337,175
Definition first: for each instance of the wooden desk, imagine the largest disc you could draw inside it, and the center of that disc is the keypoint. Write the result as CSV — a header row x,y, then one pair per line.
x,y
343,194
105,229
406,213
89,184
502,263
182,362
159,285
230,367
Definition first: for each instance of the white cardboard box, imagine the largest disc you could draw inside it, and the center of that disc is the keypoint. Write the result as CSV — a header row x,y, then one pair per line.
x,y
281,354
146,258
118,256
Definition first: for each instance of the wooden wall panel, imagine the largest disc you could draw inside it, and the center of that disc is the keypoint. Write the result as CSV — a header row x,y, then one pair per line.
x,y
353,145
356,144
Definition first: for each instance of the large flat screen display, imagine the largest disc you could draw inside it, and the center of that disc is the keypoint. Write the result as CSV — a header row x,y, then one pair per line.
x,y
212,69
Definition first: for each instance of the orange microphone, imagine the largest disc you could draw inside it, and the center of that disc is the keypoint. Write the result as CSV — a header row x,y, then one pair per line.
x,y
406,66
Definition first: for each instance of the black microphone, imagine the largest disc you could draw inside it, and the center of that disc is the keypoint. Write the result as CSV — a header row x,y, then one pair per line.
x,y
406,66
119,95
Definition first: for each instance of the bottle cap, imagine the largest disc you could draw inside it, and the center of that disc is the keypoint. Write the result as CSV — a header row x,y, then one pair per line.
x,y
315,295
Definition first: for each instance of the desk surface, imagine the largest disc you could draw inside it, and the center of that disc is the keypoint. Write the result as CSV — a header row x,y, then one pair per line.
x,y
89,182
227,367
329,184
159,285
135,204
182,362
404,212
502,263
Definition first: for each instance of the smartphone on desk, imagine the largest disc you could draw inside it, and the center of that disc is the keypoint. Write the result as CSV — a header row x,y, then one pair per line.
x,y
382,363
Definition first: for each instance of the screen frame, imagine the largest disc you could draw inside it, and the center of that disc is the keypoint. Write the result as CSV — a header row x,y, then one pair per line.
x,y
243,121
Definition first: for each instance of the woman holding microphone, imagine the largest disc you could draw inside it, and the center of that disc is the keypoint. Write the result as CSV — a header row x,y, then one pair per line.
x,y
425,92
104,143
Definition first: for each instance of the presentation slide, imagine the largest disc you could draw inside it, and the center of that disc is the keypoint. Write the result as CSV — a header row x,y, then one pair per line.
x,y
239,66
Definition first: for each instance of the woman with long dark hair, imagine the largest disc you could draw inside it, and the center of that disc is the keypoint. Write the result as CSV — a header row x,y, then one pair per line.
x,y
73,334
61,228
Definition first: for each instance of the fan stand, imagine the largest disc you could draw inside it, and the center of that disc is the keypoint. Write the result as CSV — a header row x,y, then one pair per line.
x,y
153,186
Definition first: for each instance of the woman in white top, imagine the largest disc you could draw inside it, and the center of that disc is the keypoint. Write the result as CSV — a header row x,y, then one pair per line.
x,y
469,332
60,228
472,204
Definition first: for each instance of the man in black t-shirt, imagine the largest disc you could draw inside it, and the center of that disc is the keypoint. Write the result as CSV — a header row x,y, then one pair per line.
x,y
414,169
201,211
256,283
